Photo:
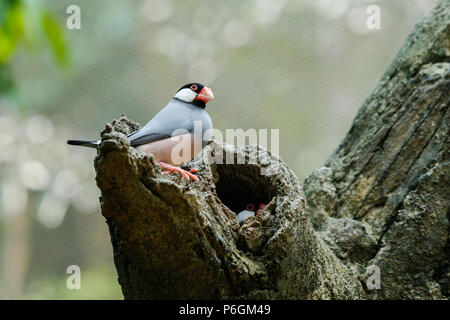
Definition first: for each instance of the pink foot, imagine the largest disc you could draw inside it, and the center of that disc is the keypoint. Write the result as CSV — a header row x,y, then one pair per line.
x,y
184,173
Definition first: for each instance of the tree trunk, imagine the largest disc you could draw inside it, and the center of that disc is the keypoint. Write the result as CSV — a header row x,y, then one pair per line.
x,y
380,203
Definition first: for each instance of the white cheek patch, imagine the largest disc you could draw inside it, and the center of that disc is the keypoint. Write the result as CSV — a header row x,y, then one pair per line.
x,y
186,95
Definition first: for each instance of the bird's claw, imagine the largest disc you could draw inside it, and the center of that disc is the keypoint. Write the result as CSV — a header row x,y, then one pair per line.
x,y
184,173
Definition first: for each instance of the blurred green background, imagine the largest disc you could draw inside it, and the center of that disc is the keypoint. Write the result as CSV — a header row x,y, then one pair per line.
x,y
304,67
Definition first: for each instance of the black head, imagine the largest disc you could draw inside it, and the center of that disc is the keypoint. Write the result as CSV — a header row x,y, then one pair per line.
x,y
195,93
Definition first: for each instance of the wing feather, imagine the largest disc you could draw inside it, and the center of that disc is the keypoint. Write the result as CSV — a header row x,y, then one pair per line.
x,y
148,138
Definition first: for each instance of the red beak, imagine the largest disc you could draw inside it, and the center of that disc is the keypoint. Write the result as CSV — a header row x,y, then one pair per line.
x,y
205,95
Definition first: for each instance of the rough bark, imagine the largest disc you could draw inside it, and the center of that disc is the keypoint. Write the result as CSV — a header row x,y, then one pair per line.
x,y
381,199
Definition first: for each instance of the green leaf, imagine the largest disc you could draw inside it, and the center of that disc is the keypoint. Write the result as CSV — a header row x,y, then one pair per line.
x,y
5,7
11,30
54,34
14,23
6,83
6,47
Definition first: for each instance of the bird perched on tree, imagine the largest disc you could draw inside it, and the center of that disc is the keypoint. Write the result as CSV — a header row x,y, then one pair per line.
x,y
170,135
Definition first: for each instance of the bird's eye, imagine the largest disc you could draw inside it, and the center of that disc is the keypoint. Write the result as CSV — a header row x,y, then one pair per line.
x,y
194,87
250,207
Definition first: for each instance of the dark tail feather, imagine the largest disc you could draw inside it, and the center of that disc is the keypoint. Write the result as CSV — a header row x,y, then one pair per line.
x,y
83,143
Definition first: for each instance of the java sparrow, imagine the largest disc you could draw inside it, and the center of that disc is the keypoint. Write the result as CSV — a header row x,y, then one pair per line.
x,y
247,213
162,133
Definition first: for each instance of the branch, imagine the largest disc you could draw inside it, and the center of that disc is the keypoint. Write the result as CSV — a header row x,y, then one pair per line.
x,y
175,238
388,177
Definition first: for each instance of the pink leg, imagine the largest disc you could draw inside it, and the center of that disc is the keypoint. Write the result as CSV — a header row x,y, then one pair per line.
x,y
184,173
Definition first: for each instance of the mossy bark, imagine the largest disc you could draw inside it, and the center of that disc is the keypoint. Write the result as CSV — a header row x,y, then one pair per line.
x,y
381,199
